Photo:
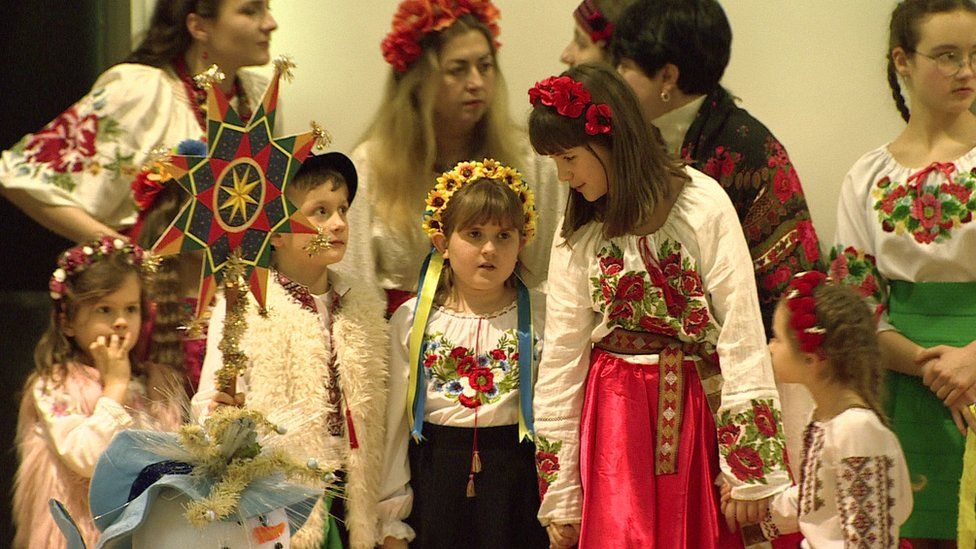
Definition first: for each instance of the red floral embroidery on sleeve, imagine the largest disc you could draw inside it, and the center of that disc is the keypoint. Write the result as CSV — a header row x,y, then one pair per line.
x,y
66,143
751,441
547,463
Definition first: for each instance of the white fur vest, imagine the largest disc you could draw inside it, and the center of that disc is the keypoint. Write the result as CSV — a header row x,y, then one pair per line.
x,y
289,363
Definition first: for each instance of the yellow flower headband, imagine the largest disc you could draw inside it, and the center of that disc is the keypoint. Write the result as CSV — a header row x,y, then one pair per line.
x,y
467,172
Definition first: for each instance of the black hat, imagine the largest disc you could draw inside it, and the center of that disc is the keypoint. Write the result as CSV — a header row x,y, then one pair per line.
x,y
332,160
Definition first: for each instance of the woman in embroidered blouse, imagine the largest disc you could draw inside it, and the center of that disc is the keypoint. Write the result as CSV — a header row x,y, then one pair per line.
x,y
673,54
650,272
592,32
906,208
73,176
445,101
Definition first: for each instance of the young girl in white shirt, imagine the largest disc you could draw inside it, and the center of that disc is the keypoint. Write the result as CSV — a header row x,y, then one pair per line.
x,y
854,489
461,373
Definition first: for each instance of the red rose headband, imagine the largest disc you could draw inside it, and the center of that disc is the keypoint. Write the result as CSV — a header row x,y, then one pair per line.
x,y
803,310
596,25
571,99
415,19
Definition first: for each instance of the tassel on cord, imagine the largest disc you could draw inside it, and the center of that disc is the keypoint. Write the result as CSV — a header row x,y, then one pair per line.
x,y
475,458
353,441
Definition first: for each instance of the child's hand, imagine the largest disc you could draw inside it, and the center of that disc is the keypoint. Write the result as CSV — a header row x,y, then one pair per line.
x,y
394,543
111,357
224,399
744,512
563,535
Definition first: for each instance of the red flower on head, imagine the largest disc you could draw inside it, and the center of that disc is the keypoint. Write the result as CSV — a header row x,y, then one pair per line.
x,y
569,96
598,119
417,18
541,92
765,422
746,463
144,190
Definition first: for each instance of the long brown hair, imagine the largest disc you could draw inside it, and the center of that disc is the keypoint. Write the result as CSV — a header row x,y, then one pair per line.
x,y
402,163
850,343
165,292
903,32
640,170
479,202
55,349
168,36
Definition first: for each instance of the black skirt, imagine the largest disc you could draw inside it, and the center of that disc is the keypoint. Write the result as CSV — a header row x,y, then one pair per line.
x,y
502,514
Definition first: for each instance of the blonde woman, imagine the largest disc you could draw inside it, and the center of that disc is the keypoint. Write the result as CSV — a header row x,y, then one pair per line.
x,y
445,101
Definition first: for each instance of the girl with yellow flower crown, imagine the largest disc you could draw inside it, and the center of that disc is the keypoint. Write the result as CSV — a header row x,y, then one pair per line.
x,y
461,374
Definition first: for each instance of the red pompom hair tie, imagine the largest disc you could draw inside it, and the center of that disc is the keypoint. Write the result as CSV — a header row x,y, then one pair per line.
x,y
803,310
571,99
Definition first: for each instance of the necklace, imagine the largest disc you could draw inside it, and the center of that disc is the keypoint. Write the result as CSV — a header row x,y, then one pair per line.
x,y
198,95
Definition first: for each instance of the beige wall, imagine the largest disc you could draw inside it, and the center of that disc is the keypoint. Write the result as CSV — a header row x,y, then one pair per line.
x,y
812,71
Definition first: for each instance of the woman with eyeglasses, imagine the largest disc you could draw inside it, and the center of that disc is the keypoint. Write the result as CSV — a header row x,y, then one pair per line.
x,y
906,236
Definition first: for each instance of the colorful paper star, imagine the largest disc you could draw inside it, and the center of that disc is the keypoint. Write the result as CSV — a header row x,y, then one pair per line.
x,y
238,193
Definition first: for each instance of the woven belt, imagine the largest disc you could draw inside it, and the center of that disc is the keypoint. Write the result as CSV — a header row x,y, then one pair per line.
x,y
671,382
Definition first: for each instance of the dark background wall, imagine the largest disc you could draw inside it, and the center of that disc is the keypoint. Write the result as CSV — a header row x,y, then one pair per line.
x,y
51,52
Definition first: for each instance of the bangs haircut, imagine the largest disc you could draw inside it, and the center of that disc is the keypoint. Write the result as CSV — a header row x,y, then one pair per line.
x,y
639,171
484,201
315,178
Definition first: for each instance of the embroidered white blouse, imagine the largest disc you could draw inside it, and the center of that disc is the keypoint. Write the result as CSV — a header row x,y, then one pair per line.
x,y
485,348
89,155
704,277
854,488
918,228
389,259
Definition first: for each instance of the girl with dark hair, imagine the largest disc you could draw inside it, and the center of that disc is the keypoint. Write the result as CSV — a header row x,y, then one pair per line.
x,y
673,54
655,378
73,175
445,102
904,224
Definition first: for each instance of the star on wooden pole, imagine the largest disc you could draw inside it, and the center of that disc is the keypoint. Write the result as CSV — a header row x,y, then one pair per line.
x,y
238,192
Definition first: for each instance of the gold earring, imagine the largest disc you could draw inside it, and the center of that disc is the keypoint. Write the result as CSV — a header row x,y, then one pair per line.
x,y
665,96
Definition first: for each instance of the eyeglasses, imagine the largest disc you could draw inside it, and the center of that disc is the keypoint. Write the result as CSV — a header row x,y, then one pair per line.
x,y
950,63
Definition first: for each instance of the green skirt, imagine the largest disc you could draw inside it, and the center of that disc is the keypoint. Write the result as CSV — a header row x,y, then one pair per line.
x,y
929,313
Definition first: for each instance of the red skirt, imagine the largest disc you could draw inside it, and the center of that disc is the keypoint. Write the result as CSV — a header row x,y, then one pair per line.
x,y
625,504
